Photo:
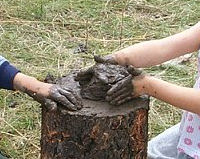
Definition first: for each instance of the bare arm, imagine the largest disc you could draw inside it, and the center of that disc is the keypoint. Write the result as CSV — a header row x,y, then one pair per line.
x,y
47,94
23,83
154,52
181,97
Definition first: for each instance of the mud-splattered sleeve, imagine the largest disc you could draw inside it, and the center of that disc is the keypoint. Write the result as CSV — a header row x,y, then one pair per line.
x,y
7,74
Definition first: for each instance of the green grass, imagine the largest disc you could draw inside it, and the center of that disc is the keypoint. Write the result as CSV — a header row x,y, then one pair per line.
x,y
39,36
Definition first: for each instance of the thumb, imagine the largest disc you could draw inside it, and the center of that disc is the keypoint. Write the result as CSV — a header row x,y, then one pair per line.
x,y
134,71
106,59
99,59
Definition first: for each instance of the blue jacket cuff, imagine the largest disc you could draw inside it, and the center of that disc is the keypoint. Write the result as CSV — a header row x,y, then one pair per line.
x,y
7,74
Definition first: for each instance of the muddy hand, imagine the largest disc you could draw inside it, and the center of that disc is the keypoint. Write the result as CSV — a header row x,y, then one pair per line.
x,y
106,59
123,90
66,98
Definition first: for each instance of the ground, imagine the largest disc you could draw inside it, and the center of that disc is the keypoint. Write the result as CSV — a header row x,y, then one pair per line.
x,y
40,36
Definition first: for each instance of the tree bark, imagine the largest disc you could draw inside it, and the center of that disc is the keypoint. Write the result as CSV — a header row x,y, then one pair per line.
x,y
98,131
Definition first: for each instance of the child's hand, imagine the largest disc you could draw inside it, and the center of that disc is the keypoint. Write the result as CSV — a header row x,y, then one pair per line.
x,y
121,92
126,89
50,95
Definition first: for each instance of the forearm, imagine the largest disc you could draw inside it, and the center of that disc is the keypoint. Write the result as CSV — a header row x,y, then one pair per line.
x,y
181,97
12,79
154,52
143,54
26,83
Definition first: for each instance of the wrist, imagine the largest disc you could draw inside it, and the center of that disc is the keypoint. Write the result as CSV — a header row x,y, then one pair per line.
x,y
43,88
119,57
142,85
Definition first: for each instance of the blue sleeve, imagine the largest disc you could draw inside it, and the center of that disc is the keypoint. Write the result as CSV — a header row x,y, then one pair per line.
x,y
7,74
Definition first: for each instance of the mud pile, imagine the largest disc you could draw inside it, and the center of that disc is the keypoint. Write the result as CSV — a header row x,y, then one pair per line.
x,y
99,79
93,83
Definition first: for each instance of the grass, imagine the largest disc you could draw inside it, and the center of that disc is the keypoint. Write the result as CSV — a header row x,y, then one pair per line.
x,y
39,36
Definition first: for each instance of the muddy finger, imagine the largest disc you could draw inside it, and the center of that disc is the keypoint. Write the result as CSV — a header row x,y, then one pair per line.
x,y
69,96
134,71
63,100
126,82
78,99
66,103
107,59
70,106
125,100
116,94
76,95
121,97
99,59
118,86
122,101
85,74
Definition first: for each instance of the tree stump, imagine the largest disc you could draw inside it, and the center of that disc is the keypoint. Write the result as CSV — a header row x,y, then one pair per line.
x,y
97,131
